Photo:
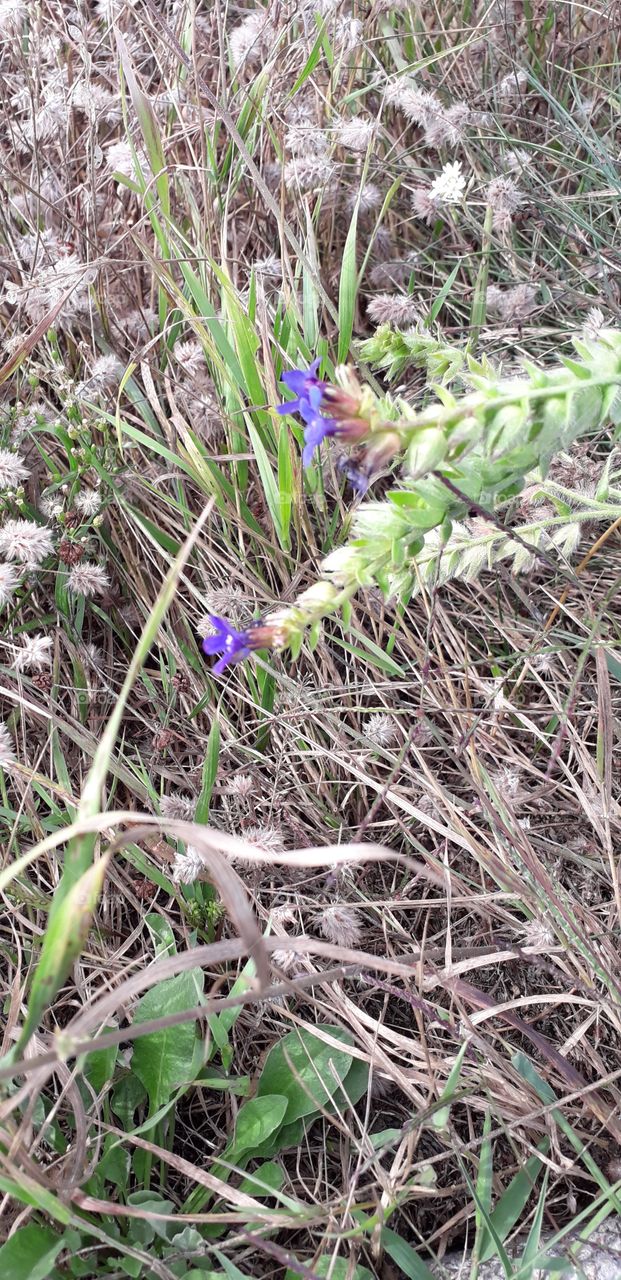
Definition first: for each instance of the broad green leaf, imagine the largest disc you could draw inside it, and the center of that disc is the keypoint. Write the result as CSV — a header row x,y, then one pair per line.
x,y
257,1120
98,1066
266,1178
336,1268
284,1139
353,1088
305,1070
165,1059
30,1253
127,1095
143,1230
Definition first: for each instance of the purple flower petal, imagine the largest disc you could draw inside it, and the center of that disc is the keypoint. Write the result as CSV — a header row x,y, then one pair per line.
x,y
316,431
233,645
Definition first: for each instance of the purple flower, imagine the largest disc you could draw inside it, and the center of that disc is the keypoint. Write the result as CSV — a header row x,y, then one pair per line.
x,y
309,391
233,645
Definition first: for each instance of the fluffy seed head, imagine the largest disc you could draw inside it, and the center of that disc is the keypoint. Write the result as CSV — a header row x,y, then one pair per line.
x,y
447,127
9,581
450,184
12,469
368,199
355,134
285,959
191,357
340,924
517,159
255,37
505,198
308,173
424,206
539,934
417,104
512,305
381,730
87,579
120,159
7,752
187,866
34,653
240,786
269,839
105,372
507,780
88,501
268,268
12,14
594,322
513,84
26,542
398,309
178,806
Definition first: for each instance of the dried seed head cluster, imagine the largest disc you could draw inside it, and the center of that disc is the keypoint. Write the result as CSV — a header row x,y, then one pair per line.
x,y
241,786
179,806
13,470
398,309
513,305
268,839
25,542
381,729
86,579
34,653
7,750
504,198
9,581
340,924
188,866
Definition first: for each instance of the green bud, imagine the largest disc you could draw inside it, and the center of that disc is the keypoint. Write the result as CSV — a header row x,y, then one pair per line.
x,y
427,449
378,520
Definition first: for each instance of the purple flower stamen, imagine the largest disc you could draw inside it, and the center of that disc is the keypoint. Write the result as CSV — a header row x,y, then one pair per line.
x,y
309,391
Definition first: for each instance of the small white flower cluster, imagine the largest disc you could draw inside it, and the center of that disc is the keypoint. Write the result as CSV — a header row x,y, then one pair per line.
x,y
447,188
